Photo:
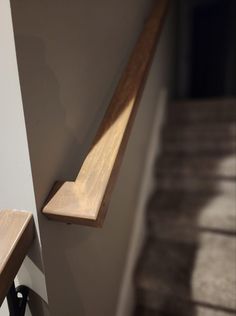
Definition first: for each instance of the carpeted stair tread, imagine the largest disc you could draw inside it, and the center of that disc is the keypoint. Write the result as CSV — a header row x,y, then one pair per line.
x,y
172,308
165,269
204,146
210,131
212,311
213,166
214,276
191,310
208,110
183,217
157,273
194,183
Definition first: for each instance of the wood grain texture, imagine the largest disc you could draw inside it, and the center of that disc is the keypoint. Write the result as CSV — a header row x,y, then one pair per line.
x,y
85,201
16,236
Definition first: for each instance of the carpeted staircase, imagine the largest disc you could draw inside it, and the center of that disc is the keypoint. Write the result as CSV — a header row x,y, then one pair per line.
x,y
188,263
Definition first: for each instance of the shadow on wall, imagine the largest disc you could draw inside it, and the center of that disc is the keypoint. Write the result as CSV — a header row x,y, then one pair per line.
x,y
43,106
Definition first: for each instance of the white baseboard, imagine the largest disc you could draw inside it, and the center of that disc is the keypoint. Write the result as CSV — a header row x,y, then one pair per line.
x,y
126,298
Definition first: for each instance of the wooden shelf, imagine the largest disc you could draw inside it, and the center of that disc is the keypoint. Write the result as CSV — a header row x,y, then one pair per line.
x,y
16,236
85,201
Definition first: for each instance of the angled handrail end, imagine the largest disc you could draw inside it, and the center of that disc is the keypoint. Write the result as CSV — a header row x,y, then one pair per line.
x,y
85,201
16,236
63,204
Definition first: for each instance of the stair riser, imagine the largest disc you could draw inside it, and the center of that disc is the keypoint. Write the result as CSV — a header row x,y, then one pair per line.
x,y
160,304
217,168
184,134
209,174
226,148
193,184
212,106
203,117
186,234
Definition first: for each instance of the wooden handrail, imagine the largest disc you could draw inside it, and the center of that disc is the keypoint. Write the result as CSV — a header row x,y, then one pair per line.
x,y
85,200
16,236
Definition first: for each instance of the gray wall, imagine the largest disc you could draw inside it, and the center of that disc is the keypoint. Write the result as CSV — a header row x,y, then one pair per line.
x,y
70,55
16,185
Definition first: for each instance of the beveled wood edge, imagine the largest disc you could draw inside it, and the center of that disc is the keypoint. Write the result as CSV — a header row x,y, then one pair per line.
x,y
61,205
15,255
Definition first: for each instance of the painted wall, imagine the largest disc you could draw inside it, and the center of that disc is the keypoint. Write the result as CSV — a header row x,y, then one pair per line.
x,y
70,55
16,185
